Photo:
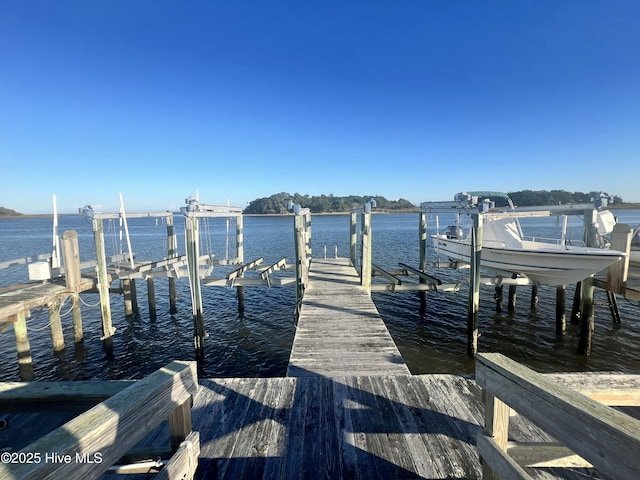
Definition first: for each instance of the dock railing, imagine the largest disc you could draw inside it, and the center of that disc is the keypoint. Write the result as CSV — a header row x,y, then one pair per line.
x,y
89,444
589,433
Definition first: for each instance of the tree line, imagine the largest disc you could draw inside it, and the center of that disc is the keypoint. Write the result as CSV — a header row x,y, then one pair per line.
x,y
529,198
8,212
277,203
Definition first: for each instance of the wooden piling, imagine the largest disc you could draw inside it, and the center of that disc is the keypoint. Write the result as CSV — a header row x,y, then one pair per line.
x,y
103,283
72,277
587,319
497,296
78,334
474,286
55,323
172,251
576,305
193,255
300,232
23,348
71,258
240,260
613,307
534,297
561,317
587,314
134,297
422,244
353,229
125,284
151,298
511,306
365,267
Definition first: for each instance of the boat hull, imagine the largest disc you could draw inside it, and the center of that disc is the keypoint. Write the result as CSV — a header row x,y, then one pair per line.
x,y
546,264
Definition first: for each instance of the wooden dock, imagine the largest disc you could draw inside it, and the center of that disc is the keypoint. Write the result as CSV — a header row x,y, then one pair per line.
x,y
340,331
365,427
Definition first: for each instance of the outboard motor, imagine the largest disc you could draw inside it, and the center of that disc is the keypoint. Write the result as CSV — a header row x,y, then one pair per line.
x,y
453,232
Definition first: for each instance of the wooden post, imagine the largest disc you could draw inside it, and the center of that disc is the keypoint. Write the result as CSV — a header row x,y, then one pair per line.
x,y
365,268
172,251
240,297
496,426
613,307
587,320
103,283
78,334
125,283
422,247
307,234
134,297
497,296
72,277
561,317
180,424
575,307
23,348
240,239
422,244
193,256
151,297
511,306
534,297
353,237
301,260
618,272
55,322
587,317
474,285
71,258
240,259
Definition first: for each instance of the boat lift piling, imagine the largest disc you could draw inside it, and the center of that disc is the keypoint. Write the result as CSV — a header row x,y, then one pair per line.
x,y
192,213
302,244
474,286
561,317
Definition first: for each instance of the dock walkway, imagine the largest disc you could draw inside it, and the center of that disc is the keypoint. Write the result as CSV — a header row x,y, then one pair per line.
x,y
365,427
340,331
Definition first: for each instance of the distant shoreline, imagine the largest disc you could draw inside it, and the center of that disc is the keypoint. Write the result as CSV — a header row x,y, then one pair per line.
x,y
621,206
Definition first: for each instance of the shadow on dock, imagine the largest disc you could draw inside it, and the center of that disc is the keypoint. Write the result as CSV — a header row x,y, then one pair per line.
x,y
343,427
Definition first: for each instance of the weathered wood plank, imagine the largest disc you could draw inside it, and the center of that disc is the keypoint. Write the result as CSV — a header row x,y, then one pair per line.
x,y
364,427
569,416
339,329
111,427
57,396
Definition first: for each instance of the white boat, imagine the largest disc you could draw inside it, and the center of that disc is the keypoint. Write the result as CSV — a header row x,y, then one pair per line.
x,y
506,251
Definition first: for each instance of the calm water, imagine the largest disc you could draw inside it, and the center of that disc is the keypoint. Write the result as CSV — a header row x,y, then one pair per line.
x,y
258,343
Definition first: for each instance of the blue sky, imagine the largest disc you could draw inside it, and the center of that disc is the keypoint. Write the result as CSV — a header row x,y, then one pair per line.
x,y
239,100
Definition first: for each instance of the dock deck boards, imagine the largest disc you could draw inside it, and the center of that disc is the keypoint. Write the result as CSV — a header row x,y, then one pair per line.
x,y
341,427
350,427
340,331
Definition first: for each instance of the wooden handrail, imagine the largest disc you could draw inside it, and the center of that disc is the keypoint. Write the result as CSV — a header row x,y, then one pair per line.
x,y
86,446
603,437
